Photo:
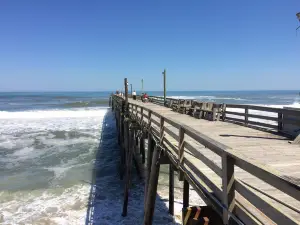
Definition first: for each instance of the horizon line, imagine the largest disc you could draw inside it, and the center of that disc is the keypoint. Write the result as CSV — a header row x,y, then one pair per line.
x,y
54,91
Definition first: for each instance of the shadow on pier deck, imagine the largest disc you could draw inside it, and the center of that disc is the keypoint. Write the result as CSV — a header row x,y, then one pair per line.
x,y
106,194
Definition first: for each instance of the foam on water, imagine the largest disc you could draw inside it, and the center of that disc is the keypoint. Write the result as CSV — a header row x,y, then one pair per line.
x,y
45,155
207,98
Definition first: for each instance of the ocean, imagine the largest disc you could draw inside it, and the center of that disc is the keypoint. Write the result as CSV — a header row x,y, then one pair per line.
x,y
59,157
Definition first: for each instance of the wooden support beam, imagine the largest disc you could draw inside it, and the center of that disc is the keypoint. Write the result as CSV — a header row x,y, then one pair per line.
x,y
118,126
142,147
148,165
171,189
136,138
152,189
186,193
123,144
228,183
130,149
180,151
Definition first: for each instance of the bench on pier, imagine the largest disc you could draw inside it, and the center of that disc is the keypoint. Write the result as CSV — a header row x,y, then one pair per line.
x,y
175,104
207,110
204,110
184,106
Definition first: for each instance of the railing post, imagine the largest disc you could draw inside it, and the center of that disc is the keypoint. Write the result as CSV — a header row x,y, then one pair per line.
x,y
246,114
171,189
162,121
149,118
180,151
228,183
224,112
186,193
280,123
142,114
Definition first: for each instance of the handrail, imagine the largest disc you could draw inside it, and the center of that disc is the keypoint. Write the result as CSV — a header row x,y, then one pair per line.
x,y
230,158
248,113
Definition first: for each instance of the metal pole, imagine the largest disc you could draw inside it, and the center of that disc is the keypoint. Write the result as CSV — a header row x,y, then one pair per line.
x,y
131,89
165,89
142,85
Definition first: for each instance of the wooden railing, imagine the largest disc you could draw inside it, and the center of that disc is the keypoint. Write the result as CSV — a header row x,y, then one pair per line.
x,y
224,196
261,116
275,119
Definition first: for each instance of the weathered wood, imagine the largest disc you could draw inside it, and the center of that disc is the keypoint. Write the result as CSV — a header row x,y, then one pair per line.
x,y
186,193
204,159
228,183
161,129
171,133
142,147
149,163
129,146
151,193
171,189
136,138
181,143
272,212
271,178
246,143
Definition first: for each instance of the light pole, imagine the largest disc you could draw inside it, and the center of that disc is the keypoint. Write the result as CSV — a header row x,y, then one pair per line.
x,y
131,89
126,93
142,85
165,89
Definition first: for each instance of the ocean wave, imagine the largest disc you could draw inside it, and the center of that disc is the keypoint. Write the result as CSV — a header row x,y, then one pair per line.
x,y
208,97
85,103
58,113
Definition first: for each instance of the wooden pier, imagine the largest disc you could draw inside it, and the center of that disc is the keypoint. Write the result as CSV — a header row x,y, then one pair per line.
x,y
247,171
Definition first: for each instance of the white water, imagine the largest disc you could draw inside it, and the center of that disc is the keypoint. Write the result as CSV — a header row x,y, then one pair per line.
x,y
45,155
46,167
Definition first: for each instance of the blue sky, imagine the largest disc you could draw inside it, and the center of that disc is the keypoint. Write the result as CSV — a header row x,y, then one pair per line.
x,y
204,45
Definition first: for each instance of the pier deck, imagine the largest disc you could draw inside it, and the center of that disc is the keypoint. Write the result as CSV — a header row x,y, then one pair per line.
x,y
270,151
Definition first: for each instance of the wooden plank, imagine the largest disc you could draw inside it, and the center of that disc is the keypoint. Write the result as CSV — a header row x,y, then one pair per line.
x,y
204,159
272,178
265,109
171,133
236,106
155,122
204,178
235,113
271,211
263,117
213,145
171,122
228,183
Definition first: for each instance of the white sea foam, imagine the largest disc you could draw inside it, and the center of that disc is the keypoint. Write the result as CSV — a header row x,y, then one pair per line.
x,y
45,114
207,97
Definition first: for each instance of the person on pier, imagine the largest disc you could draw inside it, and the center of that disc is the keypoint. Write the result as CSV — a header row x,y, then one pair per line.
x,y
145,97
134,95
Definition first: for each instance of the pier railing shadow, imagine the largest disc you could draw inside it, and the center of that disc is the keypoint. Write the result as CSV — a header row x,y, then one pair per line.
x,y
106,193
